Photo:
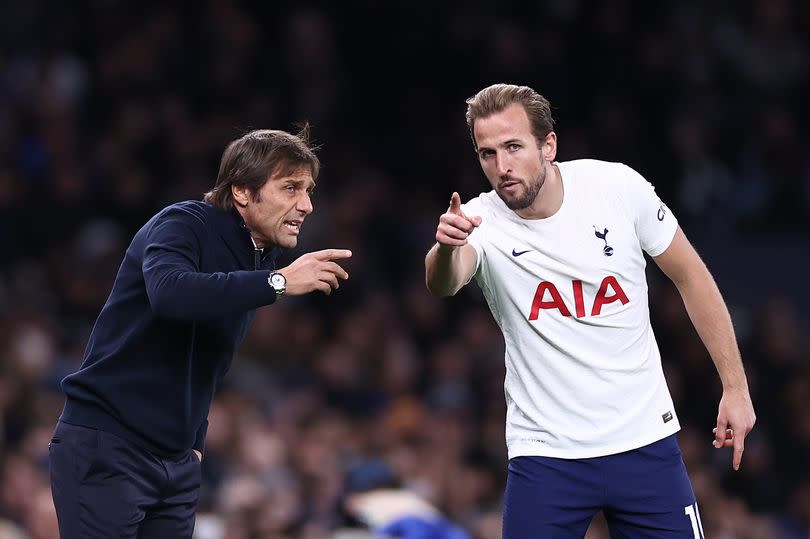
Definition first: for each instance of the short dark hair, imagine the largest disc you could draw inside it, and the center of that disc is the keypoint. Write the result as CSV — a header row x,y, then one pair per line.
x,y
497,97
256,157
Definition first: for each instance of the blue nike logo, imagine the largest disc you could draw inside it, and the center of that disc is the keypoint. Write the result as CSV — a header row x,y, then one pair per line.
x,y
518,253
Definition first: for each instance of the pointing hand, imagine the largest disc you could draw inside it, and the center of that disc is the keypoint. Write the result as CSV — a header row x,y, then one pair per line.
x,y
454,225
315,271
735,419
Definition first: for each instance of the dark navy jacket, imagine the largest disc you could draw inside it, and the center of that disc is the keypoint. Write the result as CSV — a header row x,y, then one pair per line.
x,y
187,288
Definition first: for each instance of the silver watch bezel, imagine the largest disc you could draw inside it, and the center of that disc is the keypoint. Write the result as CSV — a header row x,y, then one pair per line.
x,y
280,284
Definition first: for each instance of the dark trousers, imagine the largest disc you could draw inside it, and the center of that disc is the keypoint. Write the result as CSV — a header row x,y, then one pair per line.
x,y
105,487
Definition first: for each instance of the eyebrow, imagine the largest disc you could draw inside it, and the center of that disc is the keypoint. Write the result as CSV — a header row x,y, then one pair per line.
x,y
291,180
502,144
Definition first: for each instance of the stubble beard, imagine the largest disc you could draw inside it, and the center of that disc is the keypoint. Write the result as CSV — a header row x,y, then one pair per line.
x,y
530,193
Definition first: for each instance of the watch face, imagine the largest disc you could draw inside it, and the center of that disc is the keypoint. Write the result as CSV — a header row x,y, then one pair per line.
x,y
277,280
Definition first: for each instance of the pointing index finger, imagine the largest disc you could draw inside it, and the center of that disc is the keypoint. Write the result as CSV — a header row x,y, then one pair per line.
x,y
332,254
455,204
739,447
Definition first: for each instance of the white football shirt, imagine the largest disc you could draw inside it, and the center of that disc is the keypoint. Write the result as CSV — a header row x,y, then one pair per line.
x,y
569,292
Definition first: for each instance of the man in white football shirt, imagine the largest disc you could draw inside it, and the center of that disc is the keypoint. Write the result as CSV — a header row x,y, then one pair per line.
x,y
558,251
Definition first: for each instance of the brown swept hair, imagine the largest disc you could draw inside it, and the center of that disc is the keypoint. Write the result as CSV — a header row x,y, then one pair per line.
x,y
255,157
497,97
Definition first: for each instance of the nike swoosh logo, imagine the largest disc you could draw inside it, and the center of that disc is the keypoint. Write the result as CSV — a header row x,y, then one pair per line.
x,y
518,253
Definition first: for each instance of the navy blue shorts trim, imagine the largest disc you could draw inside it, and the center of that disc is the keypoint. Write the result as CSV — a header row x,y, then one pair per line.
x,y
644,493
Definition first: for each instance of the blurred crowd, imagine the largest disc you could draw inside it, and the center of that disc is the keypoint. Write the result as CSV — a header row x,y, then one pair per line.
x,y
111,109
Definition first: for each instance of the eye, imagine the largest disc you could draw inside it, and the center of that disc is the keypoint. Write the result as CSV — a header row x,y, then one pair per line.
x,y
486,153
513,147
289,188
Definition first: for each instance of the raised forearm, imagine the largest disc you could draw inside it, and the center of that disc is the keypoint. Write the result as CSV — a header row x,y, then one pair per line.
x,y
444,270
189,295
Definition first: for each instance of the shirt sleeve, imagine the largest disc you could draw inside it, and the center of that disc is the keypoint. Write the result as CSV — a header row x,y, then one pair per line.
x,y
178,289
654,222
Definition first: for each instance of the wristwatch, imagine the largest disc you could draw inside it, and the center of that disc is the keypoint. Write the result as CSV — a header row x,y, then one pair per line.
x,y
278,282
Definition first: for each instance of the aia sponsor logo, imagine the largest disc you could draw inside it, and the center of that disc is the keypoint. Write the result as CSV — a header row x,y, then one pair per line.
x,y
548,297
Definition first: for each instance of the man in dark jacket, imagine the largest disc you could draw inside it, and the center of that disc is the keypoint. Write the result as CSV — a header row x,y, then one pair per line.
x,y
125,456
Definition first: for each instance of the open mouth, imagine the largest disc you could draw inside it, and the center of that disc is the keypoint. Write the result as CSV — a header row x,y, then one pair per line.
x,y
293,225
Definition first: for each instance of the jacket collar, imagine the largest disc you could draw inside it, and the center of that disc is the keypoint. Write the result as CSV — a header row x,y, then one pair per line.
x,y
235,233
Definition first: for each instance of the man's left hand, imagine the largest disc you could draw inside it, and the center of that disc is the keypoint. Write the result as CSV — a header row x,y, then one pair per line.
x,y
735,419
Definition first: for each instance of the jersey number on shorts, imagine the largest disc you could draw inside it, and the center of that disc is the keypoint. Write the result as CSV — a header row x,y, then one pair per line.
x,y
694,516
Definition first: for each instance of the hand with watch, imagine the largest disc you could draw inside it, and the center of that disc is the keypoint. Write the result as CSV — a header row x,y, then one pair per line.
x,y
309,272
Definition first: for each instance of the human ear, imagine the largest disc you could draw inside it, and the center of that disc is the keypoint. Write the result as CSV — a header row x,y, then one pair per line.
x,y
549,148
240,194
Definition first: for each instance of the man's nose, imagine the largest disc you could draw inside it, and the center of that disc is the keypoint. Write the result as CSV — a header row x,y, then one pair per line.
x,y
304,204
502,164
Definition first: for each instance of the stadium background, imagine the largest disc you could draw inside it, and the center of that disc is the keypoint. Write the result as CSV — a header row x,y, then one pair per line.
x,y
110,110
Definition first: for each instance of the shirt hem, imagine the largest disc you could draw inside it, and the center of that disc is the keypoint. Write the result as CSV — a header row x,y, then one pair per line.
x,y
87,415
528,448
